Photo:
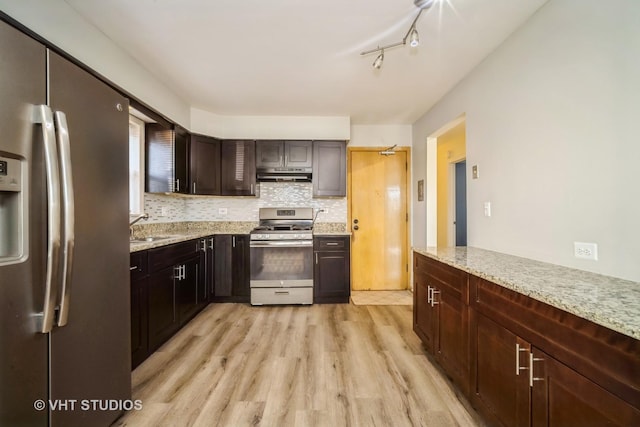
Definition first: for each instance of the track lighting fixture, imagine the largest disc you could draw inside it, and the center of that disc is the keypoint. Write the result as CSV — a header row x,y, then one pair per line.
x,y
412,35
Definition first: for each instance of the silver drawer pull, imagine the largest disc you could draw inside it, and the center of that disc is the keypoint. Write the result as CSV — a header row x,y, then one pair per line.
x,y
332,244
518,367
531,377
135,267
281,292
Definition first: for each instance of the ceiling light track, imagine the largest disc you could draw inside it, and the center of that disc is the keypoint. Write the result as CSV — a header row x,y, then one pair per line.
x,y
412,35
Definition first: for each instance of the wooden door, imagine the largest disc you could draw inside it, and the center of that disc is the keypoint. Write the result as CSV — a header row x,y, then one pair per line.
x,y
379,215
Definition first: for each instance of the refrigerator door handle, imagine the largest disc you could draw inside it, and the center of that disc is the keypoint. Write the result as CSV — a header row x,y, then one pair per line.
x,y
68,203
43,115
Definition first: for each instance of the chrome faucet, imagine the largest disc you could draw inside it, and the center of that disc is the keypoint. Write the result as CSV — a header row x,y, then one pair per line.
x,y
138,218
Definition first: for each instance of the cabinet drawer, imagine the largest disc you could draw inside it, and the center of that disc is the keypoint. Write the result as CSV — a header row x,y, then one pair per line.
x,y
172,254
265,296
331,243
443,276
138,266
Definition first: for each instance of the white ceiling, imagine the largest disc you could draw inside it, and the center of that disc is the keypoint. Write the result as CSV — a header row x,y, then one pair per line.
x,y
302,58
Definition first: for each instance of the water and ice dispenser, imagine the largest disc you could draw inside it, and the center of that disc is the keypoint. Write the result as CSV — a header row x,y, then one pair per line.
x,y
12,211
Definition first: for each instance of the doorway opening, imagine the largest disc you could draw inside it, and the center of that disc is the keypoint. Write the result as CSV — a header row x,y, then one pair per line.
x,y
446,183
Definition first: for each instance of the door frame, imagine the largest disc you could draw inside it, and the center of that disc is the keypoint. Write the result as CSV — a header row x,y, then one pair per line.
x,y
409,191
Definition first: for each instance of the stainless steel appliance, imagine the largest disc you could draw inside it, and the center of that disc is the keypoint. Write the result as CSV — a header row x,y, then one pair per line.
x,y
281,257
64,251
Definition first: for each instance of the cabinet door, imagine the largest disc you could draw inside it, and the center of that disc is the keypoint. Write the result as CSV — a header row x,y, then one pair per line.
x,y
331,277
298,154
269,154
329,169
451,337
240,267
423,313
205,165
238,168
163,320
499,391
159,159
222,269
181,156
187,290
562,397
139,315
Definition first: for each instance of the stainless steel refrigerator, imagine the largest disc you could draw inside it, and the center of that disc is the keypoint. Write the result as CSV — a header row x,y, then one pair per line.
x,y
64,251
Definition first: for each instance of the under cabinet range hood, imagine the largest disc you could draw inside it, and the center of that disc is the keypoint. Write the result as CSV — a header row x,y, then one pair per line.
x,y
283,174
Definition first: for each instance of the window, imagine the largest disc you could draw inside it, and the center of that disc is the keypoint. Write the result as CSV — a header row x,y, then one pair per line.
x,y
136,166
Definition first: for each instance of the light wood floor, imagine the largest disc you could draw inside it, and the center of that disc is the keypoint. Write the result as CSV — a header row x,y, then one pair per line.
x,y
320,365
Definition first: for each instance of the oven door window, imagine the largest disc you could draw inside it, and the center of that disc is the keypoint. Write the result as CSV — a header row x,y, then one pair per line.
x,y
281,263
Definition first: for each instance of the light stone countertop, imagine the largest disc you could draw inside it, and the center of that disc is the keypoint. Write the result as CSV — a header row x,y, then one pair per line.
x,y
175,232
607,301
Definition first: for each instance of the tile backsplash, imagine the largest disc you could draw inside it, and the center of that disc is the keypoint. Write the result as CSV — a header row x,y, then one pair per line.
x,y
176,208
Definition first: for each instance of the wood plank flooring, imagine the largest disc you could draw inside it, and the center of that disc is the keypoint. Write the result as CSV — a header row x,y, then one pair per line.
x,y
321,365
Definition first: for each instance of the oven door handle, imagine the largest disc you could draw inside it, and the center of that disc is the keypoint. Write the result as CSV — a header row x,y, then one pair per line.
x,y
281,244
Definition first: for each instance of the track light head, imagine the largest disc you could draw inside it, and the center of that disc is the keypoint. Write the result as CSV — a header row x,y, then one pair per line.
x,y
414,38
379,59
423,4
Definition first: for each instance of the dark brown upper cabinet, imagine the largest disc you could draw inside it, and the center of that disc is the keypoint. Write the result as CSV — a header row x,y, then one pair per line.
x,y
238,168
284,154
205,165
329,169
167,159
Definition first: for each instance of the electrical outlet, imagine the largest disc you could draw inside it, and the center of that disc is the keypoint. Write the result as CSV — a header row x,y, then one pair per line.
x,y
222,211
585,250
164,211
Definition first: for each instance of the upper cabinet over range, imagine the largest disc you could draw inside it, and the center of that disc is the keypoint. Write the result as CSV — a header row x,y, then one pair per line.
x,y
179,162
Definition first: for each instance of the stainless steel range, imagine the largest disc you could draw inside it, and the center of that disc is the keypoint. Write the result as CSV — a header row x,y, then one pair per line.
x,y
281,257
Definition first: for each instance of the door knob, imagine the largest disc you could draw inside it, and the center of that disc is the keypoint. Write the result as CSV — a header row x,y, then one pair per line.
x,y
355,221
355,227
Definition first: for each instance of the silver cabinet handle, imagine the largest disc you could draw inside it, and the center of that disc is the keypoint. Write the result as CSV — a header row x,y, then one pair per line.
x,y
252,192
177,272
211,243
518,351
281,292
43,115
203,245
316,258
531,377
194,187
135,267
177,185
233,241
434,292
429,296
68,202
332,243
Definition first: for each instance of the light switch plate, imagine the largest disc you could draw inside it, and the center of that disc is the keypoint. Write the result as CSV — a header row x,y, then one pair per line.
x,y
474,172
585,250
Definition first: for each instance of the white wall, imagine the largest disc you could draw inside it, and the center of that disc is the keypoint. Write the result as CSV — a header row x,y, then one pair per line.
x,y
552,123
58,23
380,135
270,127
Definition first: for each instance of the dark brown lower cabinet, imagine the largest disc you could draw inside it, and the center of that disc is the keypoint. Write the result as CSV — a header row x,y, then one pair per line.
x,y
231,281
332,269
174,290
441,316
139,308
526,363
